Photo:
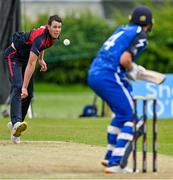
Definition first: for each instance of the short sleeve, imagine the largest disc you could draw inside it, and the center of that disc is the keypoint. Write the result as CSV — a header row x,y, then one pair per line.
x,y
138,44
37,46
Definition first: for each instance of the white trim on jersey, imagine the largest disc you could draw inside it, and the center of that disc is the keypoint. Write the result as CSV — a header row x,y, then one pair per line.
x,y
126,92
141,42
139,29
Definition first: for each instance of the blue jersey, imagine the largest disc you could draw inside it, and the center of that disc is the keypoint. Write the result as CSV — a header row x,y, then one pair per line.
x,y
129,38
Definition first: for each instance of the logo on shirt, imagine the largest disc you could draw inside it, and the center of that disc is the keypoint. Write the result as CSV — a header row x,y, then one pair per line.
x,y
141,43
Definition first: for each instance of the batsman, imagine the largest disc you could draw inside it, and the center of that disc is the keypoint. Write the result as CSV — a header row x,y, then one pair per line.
x,y
109,76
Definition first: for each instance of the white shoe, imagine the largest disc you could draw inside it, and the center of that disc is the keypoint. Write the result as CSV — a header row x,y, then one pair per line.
x,y
129,170
105,162
117,169
15,140
18,128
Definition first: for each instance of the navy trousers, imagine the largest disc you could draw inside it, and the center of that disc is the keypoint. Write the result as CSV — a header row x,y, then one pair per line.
x,y
18,106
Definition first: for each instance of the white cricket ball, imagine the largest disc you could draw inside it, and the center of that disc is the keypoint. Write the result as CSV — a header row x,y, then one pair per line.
x,y
66,42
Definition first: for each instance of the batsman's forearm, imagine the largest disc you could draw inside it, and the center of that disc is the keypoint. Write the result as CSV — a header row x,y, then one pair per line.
x,y
28,74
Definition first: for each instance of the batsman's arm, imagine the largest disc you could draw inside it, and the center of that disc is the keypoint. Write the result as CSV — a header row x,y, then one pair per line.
x,y
126,60
30,68
131,68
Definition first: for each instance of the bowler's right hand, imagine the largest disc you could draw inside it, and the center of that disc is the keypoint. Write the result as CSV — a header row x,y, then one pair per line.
x,y
24,93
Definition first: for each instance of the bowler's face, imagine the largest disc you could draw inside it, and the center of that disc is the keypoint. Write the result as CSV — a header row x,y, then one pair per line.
x,y
55,29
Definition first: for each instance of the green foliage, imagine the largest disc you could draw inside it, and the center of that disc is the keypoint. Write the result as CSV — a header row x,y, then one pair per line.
x,y
69,64
53,88
159,54
28,25
65,72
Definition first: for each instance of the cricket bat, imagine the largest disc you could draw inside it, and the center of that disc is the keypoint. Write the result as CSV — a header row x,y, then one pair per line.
x,y
151,76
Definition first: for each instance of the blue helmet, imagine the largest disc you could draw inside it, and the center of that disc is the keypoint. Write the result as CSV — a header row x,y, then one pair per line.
x,y
142,16
89,111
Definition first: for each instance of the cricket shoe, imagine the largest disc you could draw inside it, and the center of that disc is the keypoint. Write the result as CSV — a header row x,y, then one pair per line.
x,y
18,128
117,169
15,140
105,162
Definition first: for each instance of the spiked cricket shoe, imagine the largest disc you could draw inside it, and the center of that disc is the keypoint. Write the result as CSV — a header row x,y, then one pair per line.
x,y
15,140
105,162
18,128
117,169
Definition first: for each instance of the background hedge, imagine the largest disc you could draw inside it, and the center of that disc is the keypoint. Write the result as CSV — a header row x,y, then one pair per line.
x,y
69,64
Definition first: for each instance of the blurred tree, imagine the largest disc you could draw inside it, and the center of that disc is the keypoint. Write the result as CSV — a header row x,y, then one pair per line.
x,y
69,64
159,53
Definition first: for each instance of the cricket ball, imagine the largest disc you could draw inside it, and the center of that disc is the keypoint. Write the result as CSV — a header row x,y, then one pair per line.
x,y
66,42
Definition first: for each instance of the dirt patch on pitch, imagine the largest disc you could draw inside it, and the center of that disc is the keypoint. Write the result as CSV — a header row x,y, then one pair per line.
x,y
65,160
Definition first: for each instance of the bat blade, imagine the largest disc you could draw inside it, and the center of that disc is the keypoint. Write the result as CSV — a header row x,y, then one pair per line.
x,y
151,76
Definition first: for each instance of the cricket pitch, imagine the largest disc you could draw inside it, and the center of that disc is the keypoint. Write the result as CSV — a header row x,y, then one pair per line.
x,y
67,160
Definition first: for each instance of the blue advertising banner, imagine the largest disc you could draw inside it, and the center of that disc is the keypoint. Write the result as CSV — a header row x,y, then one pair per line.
x,y
163,93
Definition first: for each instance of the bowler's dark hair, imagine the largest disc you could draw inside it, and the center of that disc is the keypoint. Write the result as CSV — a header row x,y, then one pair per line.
x,y
54,18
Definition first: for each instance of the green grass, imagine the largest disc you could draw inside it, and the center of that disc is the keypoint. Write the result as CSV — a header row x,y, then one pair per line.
x,y
87,131
52,101
82,130
57,119
45,87
60,105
